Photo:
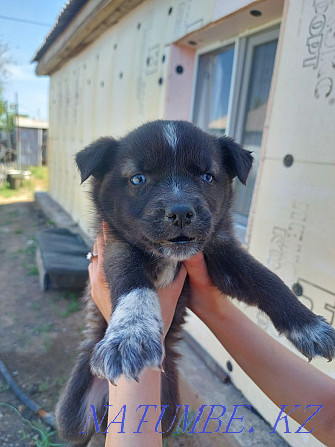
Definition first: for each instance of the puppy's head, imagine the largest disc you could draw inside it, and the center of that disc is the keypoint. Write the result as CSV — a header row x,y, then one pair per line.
x,y
165,187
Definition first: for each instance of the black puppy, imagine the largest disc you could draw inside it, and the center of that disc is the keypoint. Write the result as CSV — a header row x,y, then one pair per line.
x,y
165,191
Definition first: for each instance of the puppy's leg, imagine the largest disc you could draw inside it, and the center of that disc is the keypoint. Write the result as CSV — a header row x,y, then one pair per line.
x,y
83,389
169,381
133,337
239,275
74,414
169,391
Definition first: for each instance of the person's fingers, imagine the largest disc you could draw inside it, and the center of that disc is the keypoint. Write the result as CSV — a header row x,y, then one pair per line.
x,y
173,290
178,283
100,245
91,267
197,270
105,230
168,297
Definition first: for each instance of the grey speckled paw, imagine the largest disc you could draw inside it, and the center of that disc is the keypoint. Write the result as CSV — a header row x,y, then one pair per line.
x,y
314,339
127,351
133,338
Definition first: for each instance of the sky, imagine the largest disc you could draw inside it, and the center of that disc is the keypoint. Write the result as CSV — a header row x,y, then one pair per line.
x,y
23,41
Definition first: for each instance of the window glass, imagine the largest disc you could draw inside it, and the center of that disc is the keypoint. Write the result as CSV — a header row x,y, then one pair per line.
x,y
213,90
263,57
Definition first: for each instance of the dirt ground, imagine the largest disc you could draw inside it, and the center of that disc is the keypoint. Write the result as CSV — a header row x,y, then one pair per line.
x,y
39,331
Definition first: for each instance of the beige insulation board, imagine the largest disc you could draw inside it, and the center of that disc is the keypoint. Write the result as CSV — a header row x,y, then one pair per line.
x,y
292,222
292,219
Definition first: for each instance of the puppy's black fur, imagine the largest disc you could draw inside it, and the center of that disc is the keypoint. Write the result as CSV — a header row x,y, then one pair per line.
x,y
165,191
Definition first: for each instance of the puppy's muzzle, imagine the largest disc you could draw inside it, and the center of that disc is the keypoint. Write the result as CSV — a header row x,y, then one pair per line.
x,y
180,215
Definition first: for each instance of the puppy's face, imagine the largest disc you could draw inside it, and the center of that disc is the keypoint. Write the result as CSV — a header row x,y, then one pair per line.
x,y
165,187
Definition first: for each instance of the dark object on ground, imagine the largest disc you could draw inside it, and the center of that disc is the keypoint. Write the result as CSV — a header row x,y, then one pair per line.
x,y
37,409
61,259
16,178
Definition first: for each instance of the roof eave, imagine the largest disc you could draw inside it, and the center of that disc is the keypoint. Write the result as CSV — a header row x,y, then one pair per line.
x,y
86,26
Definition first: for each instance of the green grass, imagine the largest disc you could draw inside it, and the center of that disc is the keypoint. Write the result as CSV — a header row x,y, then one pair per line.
x,y
73,304
13,256
6,192
72,307
65,303
70,295
47,342
24,436
33,271
39,177
43,328
4,387
14,214
35,306
179,432
44,386
43,436
30,268
39,172
28,260
59,382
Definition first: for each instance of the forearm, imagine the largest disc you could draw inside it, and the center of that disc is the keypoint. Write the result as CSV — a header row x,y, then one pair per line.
x,y
133,394
282,376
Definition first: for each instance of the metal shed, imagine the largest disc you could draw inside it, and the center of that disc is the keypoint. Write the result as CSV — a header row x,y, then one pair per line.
x,y
31,141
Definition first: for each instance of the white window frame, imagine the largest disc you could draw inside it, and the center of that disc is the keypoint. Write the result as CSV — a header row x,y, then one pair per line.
x,y
241,96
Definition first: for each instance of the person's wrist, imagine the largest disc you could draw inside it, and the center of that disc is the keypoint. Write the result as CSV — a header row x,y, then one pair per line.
x,y
225,312
213,307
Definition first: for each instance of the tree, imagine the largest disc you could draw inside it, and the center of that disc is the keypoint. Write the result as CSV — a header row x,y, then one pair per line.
x,y
6,118
3,75
4,60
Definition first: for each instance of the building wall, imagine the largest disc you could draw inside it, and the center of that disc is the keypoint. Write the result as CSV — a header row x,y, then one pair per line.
x,y
127,77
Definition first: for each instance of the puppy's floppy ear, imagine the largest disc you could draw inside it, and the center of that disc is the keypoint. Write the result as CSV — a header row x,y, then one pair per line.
x,y
237,160
95,158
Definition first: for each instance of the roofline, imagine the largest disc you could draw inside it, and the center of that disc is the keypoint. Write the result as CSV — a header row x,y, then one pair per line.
x,y
69,11
79,24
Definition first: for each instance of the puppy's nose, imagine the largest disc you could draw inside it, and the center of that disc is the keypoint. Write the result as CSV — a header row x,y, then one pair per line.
x,y
180,214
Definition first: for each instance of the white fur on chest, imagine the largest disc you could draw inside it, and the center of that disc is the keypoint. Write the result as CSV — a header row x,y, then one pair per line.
x,y
167,275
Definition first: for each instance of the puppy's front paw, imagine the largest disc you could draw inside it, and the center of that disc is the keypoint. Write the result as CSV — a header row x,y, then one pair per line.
x,y
312,339
127,351
133,338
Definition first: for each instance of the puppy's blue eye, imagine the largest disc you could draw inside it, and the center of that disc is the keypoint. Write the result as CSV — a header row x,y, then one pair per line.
x,y
207,177
138,179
